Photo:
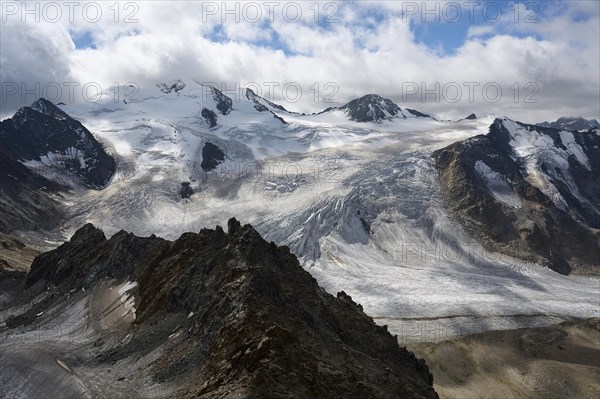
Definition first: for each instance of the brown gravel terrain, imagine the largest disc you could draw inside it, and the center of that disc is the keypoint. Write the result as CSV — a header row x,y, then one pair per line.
x,y
15,255
561,361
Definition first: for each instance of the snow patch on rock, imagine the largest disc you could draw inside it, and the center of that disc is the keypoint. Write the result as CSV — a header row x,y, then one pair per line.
x,y
498,185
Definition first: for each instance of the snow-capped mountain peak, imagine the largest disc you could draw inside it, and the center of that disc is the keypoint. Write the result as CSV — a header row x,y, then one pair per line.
x,y
48,108
374,108
47,140
521,187
561,163
173,86
572,123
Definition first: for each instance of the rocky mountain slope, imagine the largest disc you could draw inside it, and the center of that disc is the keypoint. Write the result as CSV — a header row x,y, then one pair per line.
x,y
26,200
560,361
53,144
217,315
528,191
374,108
471,117
572,123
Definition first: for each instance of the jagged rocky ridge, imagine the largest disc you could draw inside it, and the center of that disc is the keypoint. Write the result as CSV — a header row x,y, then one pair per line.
x,y
59,146
529,192
263,105
255,323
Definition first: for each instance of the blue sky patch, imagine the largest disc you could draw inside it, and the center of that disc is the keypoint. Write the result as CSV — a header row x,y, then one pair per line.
x,y
83,40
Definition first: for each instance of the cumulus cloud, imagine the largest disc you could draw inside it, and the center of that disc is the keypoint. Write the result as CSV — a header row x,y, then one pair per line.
x,y
545,69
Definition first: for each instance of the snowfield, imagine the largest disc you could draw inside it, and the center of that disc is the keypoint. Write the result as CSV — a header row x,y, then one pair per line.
x,y
359,204
536,149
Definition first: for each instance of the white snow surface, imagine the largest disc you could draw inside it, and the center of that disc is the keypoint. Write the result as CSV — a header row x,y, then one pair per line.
x,y
127,287
359,203
498,185
573,148
56,166
535,149
128,298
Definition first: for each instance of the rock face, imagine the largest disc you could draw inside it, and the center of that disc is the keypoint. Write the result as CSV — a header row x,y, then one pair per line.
x,y
374,108
529,192
223,103
210,117
212,156
26,201
371,108
419,114
186,190
263,105
56,146
255,324
220,103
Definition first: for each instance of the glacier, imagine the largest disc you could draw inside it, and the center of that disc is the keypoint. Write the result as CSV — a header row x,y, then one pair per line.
x,y
359,203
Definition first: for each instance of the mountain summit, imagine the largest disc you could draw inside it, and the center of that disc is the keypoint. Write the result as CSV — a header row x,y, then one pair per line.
x,y
58,147
48,108
374,108
529,192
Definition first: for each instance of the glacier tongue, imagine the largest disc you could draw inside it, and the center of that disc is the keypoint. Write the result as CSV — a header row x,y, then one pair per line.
x,y
381,233
424,277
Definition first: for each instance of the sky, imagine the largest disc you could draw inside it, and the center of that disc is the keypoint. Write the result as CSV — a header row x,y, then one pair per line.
x,y
531,61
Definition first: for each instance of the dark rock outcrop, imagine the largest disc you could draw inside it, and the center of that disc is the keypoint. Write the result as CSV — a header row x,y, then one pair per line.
x,y
279,118
260,108
262,104
371,108
45,133
186,190
529,192
223,103
419,114
210,117
257,324
212,156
